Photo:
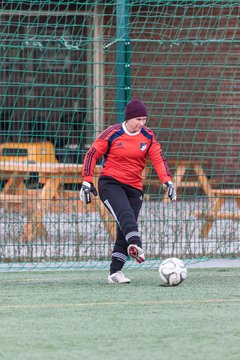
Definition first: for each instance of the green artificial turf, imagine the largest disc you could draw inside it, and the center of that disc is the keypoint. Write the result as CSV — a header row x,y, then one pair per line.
x,y
77,315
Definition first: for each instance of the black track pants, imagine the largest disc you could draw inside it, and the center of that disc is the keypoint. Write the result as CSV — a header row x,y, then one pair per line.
x,y
124,202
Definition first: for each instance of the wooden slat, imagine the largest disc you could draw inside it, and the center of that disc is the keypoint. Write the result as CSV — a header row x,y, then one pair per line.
x,y
227,192
187,163
219,215
9,198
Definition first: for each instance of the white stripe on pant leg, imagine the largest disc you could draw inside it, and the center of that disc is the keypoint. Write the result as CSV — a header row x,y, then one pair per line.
x,y
131,234
120,256
106,202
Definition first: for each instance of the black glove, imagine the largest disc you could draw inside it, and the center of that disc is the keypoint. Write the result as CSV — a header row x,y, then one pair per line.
x,y
86,190
171,190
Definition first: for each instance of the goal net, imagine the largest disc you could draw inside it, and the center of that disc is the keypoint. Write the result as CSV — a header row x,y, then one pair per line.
x,y
67,70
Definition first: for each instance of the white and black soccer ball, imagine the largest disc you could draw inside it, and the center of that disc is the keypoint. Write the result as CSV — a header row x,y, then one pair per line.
x,y
172,271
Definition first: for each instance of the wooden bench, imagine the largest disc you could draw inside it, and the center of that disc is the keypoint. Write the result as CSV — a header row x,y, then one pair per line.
x,y
36,203
181,176
31,152
219,197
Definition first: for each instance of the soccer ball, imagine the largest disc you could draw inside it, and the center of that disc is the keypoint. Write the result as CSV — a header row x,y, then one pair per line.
x,y
172,271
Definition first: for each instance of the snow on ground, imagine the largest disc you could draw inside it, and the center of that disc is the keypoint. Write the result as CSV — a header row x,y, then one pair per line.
x,y
168,229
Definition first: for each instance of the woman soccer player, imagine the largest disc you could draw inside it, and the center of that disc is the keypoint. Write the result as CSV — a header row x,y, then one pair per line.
x,y
124,148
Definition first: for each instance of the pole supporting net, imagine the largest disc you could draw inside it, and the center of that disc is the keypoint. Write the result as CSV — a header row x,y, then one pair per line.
x,y
59,73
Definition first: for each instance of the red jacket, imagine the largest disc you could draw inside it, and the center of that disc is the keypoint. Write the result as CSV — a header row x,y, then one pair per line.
x,y
124,155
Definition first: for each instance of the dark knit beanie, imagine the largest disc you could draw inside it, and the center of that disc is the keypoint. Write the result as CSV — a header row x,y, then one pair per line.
x,y
135,108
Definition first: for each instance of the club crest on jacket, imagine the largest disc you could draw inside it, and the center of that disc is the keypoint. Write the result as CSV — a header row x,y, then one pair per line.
x,y
143,146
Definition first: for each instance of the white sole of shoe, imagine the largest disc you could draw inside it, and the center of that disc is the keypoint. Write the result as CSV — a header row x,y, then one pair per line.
x,y
133,252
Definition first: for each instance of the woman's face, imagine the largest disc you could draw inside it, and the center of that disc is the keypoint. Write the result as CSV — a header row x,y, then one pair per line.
x,y
135,124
